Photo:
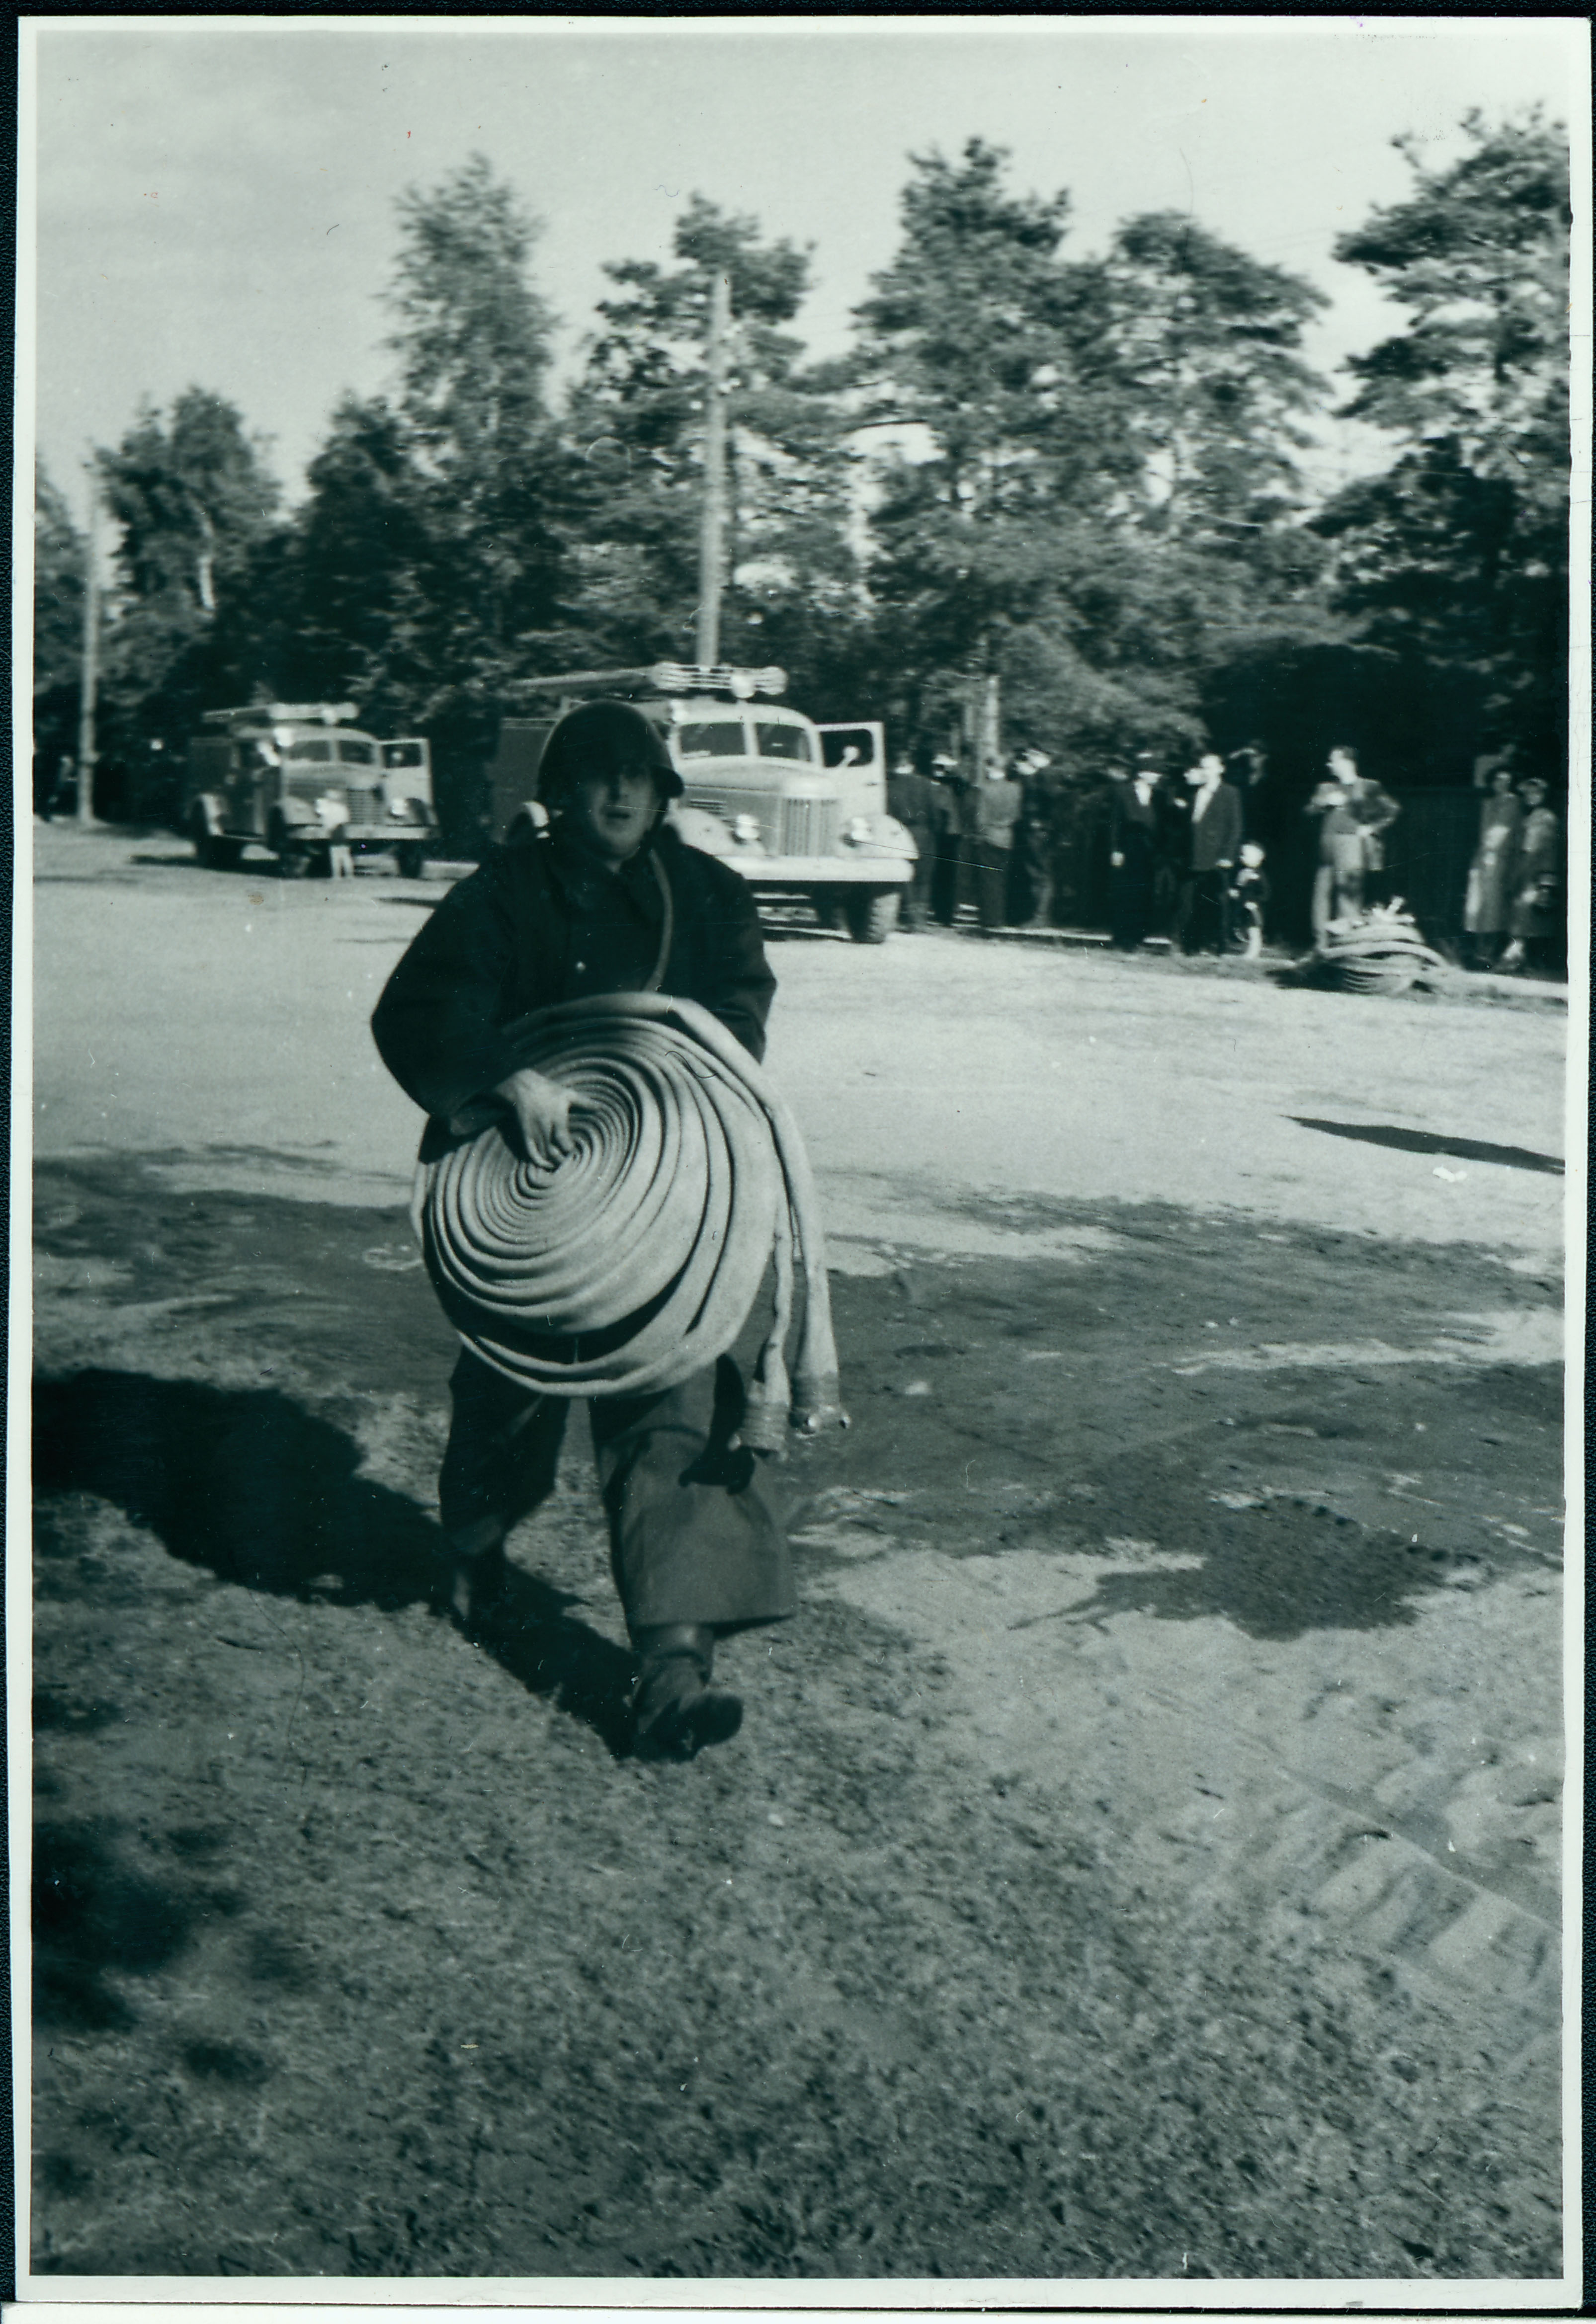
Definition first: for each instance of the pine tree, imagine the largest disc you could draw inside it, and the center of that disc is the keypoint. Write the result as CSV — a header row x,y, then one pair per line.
x,y
637,421
1103,495
1457,556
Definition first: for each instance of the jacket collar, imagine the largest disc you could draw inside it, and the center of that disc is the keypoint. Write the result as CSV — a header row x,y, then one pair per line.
x,y
584,882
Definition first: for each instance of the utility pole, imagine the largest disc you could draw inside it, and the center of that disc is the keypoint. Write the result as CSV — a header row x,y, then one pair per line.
x,y
991,722
713,520
89,668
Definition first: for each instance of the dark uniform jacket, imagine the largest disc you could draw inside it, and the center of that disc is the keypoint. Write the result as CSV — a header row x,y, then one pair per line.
x,y
545,923
1217,830
918,802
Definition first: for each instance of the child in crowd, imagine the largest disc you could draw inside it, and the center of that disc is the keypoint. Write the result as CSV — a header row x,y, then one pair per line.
x,y
1249,892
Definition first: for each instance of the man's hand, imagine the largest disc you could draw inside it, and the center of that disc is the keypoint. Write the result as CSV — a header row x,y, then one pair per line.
x,y
542,1111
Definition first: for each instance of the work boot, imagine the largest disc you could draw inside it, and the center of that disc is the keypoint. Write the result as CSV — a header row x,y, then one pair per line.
x,y
474,1577
675,1709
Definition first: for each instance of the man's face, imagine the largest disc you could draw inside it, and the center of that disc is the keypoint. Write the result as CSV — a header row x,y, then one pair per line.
x,y
1211,767
1344,766
612,809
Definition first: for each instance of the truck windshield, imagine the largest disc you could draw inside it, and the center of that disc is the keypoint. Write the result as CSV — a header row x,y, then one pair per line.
x,y
401,755
723,738
783,741
317,752
356,754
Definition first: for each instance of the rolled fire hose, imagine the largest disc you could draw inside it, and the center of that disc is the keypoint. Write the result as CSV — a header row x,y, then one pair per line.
x,y
635,1262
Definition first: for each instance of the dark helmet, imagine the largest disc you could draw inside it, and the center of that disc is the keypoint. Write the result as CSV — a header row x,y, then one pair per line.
x,y
597,736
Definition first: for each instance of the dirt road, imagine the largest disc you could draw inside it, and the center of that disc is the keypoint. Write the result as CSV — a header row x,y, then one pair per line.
x,y
1141,1858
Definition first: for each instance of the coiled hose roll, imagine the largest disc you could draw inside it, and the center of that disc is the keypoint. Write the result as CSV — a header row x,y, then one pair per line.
x,y
633,1264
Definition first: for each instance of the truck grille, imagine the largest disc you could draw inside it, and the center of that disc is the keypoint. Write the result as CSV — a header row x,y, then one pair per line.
x,y
365,806
808,827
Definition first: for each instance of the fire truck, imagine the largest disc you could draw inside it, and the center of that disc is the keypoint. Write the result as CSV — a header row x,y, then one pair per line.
x,y
798,809
296,777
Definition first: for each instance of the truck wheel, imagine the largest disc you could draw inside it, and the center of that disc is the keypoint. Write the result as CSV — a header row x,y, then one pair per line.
x,y
411,861
873,913
293,860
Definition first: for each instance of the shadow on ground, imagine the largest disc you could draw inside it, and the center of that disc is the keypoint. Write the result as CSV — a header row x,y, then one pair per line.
x,y
92,1913
1427,1141
266,1495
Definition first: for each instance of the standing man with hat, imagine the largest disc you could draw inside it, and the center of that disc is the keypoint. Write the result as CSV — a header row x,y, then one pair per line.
x,y
1034,838
608,900
1216,839
997,805
921,807
945,878
1132,845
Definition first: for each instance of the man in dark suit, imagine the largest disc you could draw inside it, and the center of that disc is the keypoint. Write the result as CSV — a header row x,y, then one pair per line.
x,y
922,807
1216,840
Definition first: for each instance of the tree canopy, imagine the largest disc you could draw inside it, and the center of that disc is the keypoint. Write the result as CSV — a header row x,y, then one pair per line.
x,y
636,422
1105,485
1458,554
195,503
1079,474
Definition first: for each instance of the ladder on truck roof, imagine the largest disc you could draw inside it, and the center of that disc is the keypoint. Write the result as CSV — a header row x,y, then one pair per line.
x,y
282,713
660,677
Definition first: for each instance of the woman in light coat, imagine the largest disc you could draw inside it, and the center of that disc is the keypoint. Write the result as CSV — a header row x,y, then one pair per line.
x,y
1488,896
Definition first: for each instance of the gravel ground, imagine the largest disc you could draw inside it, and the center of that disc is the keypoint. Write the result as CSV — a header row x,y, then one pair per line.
x,y
1141,1858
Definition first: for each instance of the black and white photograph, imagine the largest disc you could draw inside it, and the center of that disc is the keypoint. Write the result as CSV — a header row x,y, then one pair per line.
x,y
801,926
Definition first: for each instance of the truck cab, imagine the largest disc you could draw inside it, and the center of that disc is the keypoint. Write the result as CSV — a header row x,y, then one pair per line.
x,y
798,809
296,779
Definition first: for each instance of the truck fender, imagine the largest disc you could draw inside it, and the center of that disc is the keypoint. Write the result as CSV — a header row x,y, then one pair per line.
x,y
297,813
207,805
697,827
886,838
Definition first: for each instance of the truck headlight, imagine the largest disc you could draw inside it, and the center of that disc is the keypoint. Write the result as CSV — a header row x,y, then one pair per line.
x,y
745,828
857,831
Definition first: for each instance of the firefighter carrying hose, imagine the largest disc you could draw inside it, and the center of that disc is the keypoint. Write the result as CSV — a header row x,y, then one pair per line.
x,y
608,901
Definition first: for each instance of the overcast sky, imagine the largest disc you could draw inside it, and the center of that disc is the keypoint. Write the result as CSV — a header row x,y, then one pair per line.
x,y
215,196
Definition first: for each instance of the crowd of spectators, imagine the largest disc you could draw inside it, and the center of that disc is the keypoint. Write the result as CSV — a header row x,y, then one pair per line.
x,y
1150,850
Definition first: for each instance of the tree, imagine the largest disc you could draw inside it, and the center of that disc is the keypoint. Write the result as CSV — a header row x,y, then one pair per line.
x,y
424,570
1203,345
1458,555
970,341
195,503
59,561
637,421
473,335
362,572
1108,499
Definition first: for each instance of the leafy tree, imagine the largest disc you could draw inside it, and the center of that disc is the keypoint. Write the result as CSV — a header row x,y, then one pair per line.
x,y
1203,344
1457,556
195,503
637,421
473,340
60,555
362,571
424,570
472,335
970,341
1110,499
